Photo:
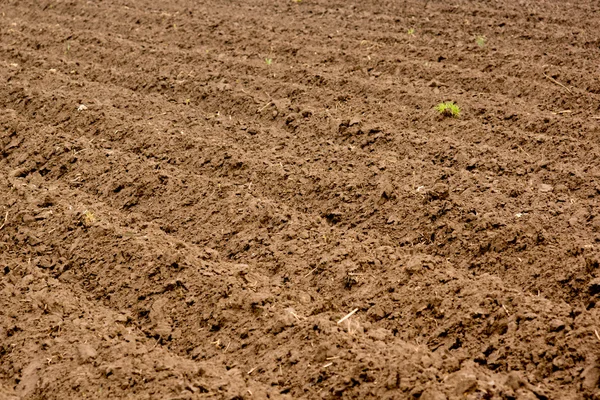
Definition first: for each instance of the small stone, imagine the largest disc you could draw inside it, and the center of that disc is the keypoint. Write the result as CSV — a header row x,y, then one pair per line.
x,y
372,128
426,361
386,189
196,352
472,164
419,263
211,253
573,221
392,220
556,325
591,377
27,279
545,188
86,352
176,334
163,329
466,385
304,298
560,363
560,188
479,312
354,121
284,320
121,318
521,386
439,191
524,394
464,382
376,313
432,394
379,334
417,392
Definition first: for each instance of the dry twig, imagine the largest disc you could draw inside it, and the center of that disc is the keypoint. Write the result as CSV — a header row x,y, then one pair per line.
x,y
265,106
551,79
157,342
351,313
310,272
5,219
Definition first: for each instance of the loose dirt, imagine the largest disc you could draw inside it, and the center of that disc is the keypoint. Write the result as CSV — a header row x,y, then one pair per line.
x,y
193,195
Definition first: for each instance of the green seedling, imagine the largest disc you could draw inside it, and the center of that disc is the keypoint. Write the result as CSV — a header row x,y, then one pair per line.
x,y
411,31
480,41
448,109
88,218
268,61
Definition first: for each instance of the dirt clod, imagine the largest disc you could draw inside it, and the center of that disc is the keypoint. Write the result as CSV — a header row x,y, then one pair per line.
x,y
432,394
86,352
591,377
556,325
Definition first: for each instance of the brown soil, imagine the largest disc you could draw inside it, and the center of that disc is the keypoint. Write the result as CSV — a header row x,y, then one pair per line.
x,y
182,219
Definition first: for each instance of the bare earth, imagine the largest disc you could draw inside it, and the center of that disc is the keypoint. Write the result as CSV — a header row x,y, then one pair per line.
x,y
194,193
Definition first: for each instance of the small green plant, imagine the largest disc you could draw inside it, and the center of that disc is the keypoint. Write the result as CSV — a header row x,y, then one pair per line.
x,y
268,61
411,31
448,109
88,218
480,41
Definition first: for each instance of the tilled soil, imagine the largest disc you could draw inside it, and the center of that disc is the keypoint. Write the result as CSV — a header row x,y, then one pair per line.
x,y
195,194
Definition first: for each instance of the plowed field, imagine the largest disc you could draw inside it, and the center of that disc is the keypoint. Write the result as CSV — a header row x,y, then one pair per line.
x,y
258,199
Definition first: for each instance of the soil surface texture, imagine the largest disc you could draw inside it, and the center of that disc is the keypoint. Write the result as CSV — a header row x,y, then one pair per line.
x,y
258,199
